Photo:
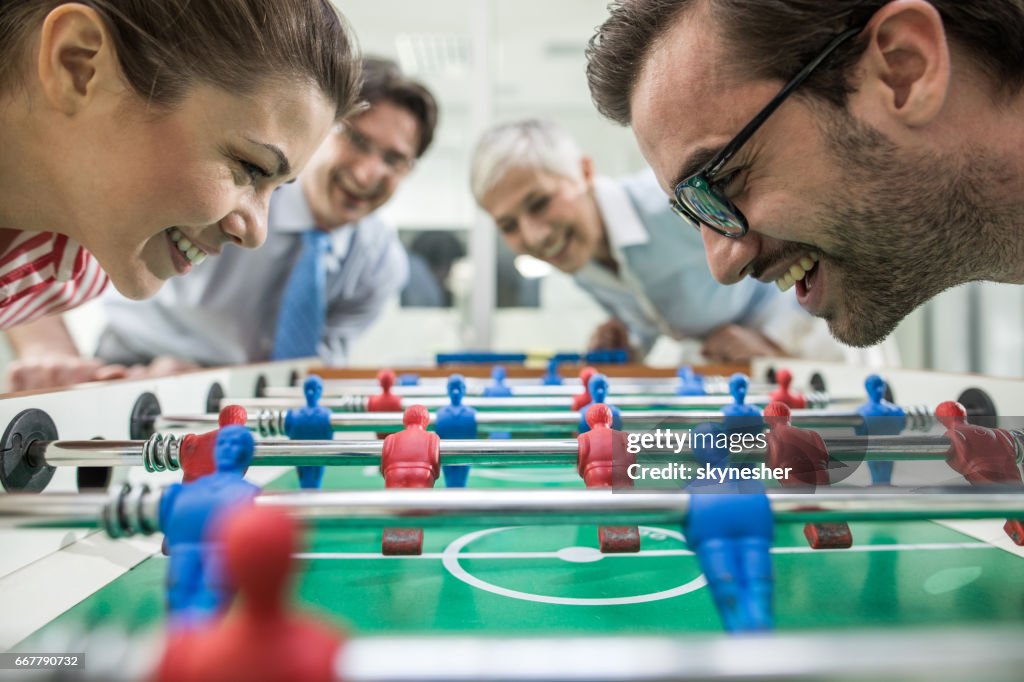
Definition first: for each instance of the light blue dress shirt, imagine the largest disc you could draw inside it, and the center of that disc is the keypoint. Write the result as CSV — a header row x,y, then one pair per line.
x,y
225,310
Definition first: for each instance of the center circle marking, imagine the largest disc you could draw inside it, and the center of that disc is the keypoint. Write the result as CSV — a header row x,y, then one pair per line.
x,y
579,555
450,560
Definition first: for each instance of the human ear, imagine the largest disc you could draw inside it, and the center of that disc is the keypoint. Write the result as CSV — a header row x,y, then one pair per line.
x,y
76,58
905,69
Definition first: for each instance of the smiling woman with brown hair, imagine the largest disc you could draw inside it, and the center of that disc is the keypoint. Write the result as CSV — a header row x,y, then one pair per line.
x,y
141,136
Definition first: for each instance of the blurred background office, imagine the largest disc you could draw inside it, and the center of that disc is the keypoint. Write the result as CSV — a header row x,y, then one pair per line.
x,y
494,60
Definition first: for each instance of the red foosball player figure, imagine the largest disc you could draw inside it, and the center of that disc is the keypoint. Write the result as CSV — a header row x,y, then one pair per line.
x,y
196,452
581,400
597,386
386,401
981,455
803,451
410,458
262,639
602,460
792,399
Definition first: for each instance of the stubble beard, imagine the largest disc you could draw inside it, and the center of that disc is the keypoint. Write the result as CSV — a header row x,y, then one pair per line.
x,y
904,226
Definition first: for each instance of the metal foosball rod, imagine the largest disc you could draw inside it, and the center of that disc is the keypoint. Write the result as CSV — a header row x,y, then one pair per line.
x,y
135,510
622,386
271,422
985,654
991,654
162,452
359,403
429,507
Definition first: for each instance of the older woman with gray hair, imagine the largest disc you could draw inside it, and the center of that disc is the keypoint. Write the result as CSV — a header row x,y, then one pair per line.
x,y
622,243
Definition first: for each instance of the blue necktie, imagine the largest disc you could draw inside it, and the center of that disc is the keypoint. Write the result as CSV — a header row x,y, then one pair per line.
x,y
300,323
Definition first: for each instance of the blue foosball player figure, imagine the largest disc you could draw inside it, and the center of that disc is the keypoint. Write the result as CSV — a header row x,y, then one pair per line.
x,y
311,422
881,418
741,418
598,389
189,516
497,388
690,383
730,528
551,376
456,421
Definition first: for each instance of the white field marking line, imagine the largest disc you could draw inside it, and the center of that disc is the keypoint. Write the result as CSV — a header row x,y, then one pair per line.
x,y
925,547
452,563
452,557
986,530
530,475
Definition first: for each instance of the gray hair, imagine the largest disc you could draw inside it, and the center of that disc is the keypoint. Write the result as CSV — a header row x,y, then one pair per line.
x,y
529,143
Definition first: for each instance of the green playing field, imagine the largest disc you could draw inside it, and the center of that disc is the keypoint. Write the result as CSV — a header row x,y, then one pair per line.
x,y
552,580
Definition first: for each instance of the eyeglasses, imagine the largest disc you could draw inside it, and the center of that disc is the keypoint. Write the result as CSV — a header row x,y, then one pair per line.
x,y
396,162
700,200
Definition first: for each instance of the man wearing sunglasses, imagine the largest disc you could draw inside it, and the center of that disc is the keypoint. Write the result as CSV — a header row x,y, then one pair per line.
x,y
866,154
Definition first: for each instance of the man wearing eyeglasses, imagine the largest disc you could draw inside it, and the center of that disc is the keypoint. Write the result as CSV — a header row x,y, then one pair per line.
x,y
623,246
329,264
865,154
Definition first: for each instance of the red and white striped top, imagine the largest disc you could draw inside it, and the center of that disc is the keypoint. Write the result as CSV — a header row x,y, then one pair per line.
x,y
45,273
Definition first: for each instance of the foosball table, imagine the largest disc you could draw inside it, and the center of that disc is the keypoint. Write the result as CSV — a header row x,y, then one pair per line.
x,y
479,537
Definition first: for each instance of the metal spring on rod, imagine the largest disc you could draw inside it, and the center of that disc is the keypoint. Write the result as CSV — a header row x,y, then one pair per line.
x,y
1018,442
351,403
716,386
161,452
919,418
125,514
270,423
818,399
